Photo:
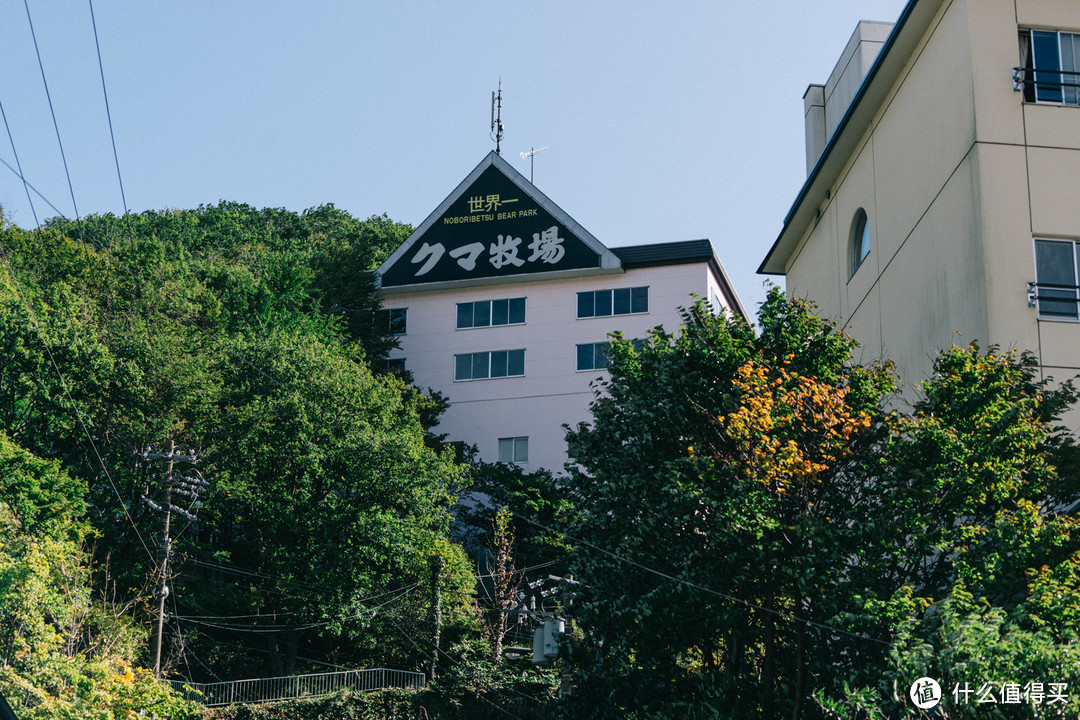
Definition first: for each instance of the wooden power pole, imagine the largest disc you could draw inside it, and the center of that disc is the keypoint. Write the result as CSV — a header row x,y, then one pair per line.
x,y
183,485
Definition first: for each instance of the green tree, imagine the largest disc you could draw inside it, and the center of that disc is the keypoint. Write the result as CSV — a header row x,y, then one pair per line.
x,y
754,530
62,653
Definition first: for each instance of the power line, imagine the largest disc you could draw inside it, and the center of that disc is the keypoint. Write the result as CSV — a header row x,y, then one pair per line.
x,y
101,69
790,617
19,172
48,96
74,406
27,184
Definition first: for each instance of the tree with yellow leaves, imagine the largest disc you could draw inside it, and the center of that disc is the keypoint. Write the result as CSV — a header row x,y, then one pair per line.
x,y
757,533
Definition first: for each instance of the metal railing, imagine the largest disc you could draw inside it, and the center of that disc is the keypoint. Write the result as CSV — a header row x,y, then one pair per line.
x,y
260,690
1047,86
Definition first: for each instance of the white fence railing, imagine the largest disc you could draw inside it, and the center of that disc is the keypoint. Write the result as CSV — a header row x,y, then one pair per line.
x,y
260,690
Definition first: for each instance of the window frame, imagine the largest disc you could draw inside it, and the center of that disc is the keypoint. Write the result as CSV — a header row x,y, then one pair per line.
x,y
1065,91
635,297
490,315
858,241
489,360
1045,294
597,349
515,443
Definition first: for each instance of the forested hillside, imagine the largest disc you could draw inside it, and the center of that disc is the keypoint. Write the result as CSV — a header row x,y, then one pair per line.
x,y
251,339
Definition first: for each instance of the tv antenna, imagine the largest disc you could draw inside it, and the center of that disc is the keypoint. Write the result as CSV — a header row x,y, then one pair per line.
x,y
496,119
531,155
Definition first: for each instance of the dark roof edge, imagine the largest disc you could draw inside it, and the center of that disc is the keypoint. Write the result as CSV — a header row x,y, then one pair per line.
x,y
898,28
686,252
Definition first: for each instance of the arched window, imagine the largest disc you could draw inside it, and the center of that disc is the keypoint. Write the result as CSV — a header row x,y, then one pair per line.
x,y
860,240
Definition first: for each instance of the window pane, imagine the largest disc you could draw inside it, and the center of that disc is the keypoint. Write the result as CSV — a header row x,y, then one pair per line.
x,y
621,301
506,450
1054,265
639,300
482,313
500,312
399,321
1047,84
521,450
586,305
464,315
603,303
1070,55
463,367
515,362
517,311
480,365
585,357
600,355
498,363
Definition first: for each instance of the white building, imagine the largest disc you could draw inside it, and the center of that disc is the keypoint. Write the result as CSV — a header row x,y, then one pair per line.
x,y
504,304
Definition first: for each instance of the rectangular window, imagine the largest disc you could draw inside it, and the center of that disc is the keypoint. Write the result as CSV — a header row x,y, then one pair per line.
x,y
393,320
605,303
593,356
494,364
1055,277
395,365
1049,69
514,450
491,313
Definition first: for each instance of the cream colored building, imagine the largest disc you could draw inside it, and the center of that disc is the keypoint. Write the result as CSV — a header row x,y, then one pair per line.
x,y
942,203
504,304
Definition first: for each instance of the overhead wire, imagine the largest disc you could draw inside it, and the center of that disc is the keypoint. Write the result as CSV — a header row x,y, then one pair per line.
x,y
790,617
22,177
48,96
27,184
67,393
108,114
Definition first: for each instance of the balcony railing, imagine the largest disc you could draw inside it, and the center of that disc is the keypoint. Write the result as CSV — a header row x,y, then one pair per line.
x,y
1054,301
1055,87
260,690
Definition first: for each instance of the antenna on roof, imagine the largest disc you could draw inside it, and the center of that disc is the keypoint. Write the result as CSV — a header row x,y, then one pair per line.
x,y
531,155
496,119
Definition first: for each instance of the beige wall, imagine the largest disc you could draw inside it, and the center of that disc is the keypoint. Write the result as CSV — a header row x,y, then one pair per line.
x,y
957,176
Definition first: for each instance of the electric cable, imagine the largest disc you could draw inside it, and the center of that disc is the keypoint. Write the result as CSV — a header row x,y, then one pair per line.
x,y
19,164
27,183
48,96
790,617
112,136
74,406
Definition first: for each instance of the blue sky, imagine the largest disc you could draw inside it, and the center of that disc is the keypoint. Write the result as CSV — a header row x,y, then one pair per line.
x,y
663,122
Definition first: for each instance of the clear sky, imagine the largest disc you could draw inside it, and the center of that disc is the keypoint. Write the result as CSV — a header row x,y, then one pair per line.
x,y
664,121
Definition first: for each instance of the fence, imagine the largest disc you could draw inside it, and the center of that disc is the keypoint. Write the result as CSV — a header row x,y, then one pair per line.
x,y
297,686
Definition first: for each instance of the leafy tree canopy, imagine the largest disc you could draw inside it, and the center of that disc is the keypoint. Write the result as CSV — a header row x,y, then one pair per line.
x,y
758,535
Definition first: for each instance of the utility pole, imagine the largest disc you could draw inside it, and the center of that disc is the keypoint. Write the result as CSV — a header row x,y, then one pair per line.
x,y
436,563
184,486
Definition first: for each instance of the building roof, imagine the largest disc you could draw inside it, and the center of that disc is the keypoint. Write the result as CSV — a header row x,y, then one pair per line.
x,y
906,34
682,253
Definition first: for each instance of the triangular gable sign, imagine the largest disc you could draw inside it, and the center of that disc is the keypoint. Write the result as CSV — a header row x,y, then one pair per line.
x,y
496,224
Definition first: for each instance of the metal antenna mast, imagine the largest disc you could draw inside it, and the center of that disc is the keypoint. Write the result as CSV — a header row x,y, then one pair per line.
x,y
532,155
496,119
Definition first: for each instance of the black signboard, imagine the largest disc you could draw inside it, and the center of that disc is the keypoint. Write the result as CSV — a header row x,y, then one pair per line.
x,y
491,230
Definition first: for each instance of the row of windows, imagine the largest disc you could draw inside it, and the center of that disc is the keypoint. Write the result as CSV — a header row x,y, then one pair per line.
x,y
493,364
511,311
511,363
490,313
